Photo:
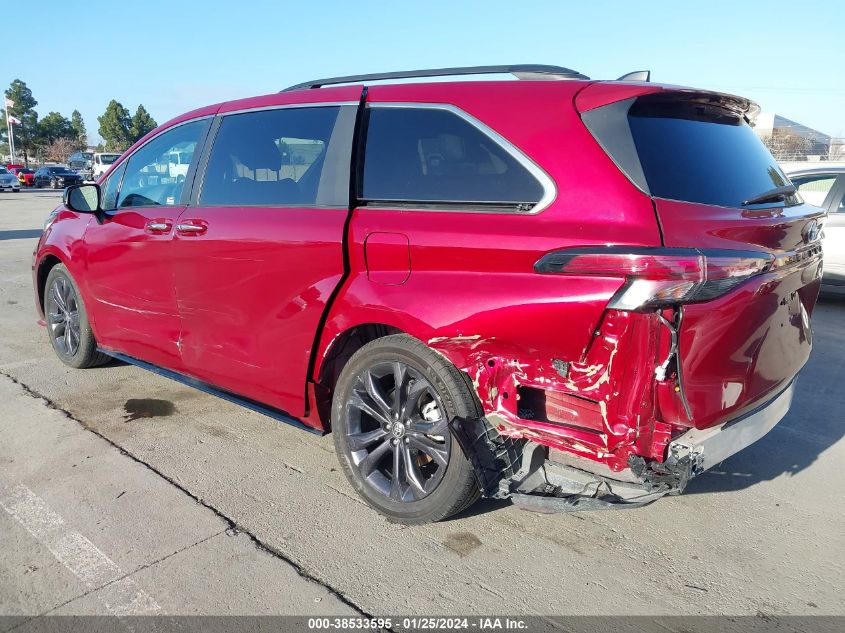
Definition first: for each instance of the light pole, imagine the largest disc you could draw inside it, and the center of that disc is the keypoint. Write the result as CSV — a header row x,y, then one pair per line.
x,y
10,130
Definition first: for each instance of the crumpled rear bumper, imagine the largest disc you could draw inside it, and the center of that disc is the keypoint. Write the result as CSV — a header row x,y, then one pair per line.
x,y
547,486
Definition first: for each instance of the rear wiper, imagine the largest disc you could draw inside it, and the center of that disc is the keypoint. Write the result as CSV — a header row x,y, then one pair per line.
x,y
778,193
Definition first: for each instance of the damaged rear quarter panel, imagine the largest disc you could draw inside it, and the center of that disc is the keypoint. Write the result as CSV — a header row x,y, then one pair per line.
x,y
505,328
467,298
616,372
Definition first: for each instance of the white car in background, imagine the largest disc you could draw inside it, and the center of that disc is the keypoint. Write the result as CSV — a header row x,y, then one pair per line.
x,y
825,188
9,181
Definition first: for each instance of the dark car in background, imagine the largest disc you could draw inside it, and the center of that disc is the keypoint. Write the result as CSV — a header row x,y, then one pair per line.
x,y
56,177
82,163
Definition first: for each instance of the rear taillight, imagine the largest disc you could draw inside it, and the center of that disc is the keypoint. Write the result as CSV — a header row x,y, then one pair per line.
x,y
658,277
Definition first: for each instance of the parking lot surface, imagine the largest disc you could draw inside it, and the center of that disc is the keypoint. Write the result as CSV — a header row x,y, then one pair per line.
x,y
123,492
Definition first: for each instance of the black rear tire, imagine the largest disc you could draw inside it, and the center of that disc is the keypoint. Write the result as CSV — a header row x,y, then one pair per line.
x,y
67,322
444,492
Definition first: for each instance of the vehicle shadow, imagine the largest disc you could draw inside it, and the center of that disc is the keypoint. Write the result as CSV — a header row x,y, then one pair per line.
x,y
813,424
111,363
482,506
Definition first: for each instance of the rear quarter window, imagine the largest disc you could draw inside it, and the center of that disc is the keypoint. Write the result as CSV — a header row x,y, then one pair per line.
x,y
272,158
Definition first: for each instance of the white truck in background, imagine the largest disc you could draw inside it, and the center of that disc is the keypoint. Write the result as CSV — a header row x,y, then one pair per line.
x,y
101,163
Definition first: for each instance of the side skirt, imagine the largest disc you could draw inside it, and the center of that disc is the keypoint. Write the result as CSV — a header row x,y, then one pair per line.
x,y
276,414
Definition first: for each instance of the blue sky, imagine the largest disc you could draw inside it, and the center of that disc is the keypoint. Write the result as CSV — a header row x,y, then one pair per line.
x,y
174,56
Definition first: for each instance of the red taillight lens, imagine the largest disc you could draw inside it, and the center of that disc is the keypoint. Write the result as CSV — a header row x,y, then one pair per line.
x,y
659,277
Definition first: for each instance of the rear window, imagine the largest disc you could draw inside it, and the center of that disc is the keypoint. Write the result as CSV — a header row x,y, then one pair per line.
x,y
269,158
687,150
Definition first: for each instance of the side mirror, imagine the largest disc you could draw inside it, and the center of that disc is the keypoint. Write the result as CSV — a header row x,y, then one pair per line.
x,y
82,198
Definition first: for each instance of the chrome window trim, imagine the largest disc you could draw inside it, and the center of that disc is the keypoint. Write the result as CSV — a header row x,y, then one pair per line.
x,y
548,185
157,134
210,148
124,160
284,106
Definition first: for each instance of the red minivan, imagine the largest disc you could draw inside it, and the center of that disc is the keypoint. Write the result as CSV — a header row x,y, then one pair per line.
x,y
572,293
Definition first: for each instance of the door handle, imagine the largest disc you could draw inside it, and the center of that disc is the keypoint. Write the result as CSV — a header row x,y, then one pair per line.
x,y
158,226
192,227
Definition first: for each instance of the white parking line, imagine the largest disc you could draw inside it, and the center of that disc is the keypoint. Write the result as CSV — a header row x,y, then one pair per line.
x,y
121,596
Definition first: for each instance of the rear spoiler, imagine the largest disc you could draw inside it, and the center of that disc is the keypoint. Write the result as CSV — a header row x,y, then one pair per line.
x,y
604,93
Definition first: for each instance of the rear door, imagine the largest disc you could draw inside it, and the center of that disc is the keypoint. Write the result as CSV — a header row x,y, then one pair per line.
x,y
717,188
261,251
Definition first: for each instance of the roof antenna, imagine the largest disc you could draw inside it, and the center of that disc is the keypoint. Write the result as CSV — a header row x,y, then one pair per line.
x,y
637,75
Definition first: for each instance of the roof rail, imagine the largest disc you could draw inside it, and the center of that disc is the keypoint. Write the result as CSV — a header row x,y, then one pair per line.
x,y
520,71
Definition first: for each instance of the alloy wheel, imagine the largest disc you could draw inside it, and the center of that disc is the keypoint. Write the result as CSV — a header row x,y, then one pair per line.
x,y
62,310
397,431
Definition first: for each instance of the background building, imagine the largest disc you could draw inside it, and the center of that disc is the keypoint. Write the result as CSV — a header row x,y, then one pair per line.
x,y
792,141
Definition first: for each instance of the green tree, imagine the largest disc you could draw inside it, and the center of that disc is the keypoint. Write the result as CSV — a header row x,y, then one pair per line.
x,y
53,127
114,126
27,133
141,124
80,134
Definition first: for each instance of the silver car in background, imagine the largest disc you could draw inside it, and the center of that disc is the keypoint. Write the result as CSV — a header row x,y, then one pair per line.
x,y
9,181
825,187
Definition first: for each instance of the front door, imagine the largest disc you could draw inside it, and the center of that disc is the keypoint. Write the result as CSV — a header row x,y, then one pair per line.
x,y
129,254
258,257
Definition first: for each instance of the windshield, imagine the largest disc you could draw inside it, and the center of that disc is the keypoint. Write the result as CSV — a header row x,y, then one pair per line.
x,y
3,170
108,159
60,170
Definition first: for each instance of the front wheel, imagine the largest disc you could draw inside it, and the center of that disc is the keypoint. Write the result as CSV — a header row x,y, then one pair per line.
x,y
67,321
390,419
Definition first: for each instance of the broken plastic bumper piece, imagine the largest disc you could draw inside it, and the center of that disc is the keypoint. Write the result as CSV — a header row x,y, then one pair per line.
x,y
548,486
708,447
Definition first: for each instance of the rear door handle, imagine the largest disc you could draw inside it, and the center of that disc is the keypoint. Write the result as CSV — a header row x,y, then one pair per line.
x,y
192,227
158,226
